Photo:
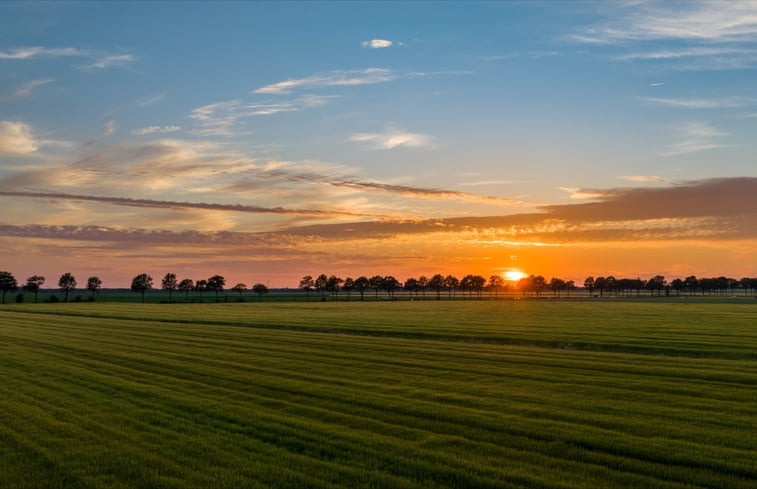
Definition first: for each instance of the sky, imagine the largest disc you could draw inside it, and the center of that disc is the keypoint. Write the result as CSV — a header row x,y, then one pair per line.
x,y
265,141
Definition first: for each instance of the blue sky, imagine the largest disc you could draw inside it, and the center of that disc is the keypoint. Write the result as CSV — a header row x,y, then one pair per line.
x,y
329,113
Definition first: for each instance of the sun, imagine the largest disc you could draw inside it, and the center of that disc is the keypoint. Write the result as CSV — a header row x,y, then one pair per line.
x,y
514,275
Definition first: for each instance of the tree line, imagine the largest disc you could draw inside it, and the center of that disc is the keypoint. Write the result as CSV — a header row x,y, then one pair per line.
x,y
141,284
330,286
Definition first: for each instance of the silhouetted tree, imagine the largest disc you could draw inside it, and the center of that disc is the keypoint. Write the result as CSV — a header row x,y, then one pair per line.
x,y
451,283
377,282
170,284
320,285
333,284
94,284
239,288
8,283
589,285
347,286
692,284
437,283
186,286
556,285
200,287
677,285
423,284
67,283
260,289
216,284
411,285
570,286
141,283
496,283
33,284
390,284
361,285
656,283
307,284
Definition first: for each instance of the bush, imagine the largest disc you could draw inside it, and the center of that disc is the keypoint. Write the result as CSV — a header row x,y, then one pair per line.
x,y
19,298
77,298
53,298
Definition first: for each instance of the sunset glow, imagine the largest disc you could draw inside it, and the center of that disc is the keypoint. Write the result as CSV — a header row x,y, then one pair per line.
x,y
514,275
566,138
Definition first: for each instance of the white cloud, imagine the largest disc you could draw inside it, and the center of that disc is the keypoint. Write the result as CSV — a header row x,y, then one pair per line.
x,y
112,60
687,53
394,139
217,119
16,139
376,43
110,128
712,103
26,89
367,76
697,21
151,100
155,129
37,51
697,136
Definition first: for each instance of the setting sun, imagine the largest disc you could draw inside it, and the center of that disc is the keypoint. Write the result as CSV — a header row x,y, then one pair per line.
x,y
514,275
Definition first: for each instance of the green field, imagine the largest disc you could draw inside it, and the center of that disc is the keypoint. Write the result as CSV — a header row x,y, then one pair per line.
x,y
543,394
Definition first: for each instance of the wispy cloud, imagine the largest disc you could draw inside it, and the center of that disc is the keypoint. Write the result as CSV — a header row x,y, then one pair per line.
x,y
700,103
151,100
26,89
584,194
167,204
110,128
642,178
38,51
687,53
111,60
376,44
394,139
16,139
697,136
367,76
99,60
218,119
699,21
155,129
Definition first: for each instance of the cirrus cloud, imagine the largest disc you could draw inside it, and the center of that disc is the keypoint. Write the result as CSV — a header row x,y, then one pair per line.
x,y
376,43
394,139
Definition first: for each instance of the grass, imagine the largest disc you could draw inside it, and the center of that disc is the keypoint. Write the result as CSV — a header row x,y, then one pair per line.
x,y
550,394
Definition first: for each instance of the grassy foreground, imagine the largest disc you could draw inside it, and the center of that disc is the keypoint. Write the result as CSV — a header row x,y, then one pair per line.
x,y
416,394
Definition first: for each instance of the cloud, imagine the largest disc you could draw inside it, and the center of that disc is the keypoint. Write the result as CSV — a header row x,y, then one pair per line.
x,y
151,100
713,209
376,43
713,103
583,194
697,137
110,128
26,89
697,21
16,139
167,204
155,129
642,178
219,118
687,53
367,76
111,60
38,51
394,139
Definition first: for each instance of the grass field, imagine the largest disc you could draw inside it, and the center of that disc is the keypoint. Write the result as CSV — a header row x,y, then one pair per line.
x,y
543,394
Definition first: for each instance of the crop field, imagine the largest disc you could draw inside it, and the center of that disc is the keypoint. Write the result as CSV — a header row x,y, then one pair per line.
x,y
469,394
